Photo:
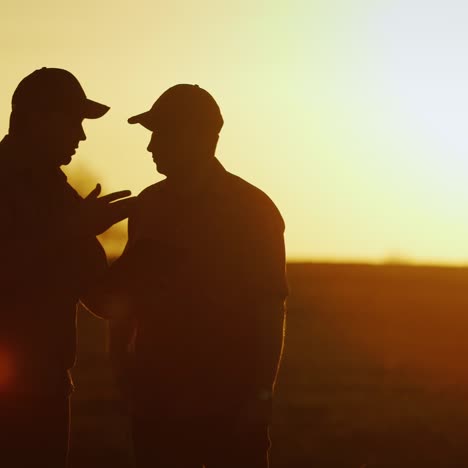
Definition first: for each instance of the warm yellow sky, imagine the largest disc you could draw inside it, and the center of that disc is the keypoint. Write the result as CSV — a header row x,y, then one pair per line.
x,y
350,114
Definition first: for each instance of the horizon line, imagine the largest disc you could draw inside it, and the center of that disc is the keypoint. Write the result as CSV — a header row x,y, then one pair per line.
x,y
376,262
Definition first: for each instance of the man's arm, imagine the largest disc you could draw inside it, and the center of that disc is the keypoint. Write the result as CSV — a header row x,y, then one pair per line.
x,y
98,294
270,321
267,291
110,297
40,255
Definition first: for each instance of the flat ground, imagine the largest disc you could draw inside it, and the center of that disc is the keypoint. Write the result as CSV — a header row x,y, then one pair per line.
x,y
374,374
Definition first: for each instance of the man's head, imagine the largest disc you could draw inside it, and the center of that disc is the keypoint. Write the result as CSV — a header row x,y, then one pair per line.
x,y
48,109
185,121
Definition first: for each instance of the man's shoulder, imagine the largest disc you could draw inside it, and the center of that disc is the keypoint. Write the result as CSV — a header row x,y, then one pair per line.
x,y
6,162
147,201
253,199
152,192
12,182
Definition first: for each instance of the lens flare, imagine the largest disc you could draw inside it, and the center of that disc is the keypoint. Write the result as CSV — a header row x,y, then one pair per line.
x,y
6,369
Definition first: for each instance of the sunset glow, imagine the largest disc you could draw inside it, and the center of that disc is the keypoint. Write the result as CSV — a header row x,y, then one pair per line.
x,y
350,115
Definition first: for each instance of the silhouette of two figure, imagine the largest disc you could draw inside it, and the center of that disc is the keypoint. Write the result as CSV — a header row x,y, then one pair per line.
x,y
196,301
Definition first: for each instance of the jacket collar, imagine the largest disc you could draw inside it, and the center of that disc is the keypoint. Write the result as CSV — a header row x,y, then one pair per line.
x,y
206,177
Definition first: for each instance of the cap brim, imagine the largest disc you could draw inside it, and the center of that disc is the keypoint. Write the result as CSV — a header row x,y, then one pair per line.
x,y
94,110
145,119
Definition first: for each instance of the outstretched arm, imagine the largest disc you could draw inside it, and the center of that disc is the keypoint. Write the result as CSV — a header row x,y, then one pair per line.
x,y
107,295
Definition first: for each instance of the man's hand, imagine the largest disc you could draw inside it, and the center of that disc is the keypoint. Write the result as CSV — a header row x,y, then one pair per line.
x,y
97,214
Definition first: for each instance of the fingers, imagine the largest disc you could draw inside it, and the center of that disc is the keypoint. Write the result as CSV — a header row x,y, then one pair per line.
x,y
123,206
99,214
94,193
126,202
121,209
115,196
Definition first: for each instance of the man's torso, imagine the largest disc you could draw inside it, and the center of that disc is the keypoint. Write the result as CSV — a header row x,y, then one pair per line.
x,y
201,332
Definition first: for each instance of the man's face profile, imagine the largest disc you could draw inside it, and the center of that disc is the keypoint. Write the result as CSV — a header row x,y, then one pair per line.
x,y
171,149
60,134
177,151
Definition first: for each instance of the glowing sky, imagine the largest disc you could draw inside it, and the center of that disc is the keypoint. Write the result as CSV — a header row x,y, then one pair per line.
x,y
350,114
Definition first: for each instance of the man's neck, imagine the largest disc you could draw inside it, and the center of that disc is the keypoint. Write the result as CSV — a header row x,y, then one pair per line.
x,y
194,177
29,155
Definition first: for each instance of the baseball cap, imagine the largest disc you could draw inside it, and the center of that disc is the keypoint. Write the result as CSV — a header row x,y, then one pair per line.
x,y
184,106
55,89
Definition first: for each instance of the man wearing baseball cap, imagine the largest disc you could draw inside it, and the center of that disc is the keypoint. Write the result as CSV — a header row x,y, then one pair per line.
x,y
49,256
205,276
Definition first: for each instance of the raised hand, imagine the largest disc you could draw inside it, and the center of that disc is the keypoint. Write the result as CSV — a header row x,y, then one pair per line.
x,y
97,214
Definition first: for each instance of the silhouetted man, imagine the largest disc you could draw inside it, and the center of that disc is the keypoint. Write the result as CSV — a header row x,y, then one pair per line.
x,y
205,271
49,255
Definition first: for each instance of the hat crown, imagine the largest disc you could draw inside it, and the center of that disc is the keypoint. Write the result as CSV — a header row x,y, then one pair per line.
x,y
49,89
187,105
55,89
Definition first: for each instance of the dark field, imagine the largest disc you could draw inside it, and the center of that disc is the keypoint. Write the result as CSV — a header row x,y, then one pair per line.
x,y
374,374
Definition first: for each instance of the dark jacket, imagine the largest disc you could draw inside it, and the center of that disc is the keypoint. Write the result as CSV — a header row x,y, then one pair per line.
x,y
217,253
44,269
